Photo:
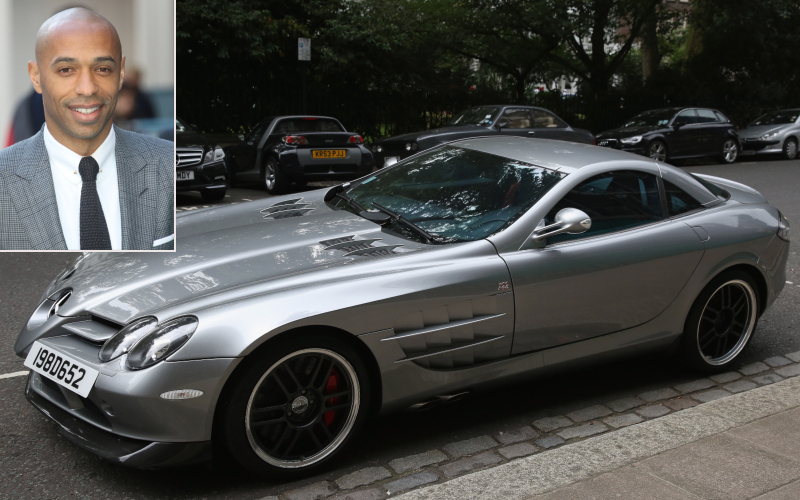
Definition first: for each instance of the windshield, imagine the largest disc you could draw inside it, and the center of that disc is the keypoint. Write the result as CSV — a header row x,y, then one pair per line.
x,y
476,116
180,126
309,124
456,194
652,118
777,118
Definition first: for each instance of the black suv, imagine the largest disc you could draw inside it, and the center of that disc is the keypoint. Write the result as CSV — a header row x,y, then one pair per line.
x,y
676,133
199,163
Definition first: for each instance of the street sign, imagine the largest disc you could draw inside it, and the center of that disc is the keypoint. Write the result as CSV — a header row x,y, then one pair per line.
x,y
303,49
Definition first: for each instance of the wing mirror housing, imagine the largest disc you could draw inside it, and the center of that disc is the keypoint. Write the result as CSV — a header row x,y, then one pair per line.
x,y
568,220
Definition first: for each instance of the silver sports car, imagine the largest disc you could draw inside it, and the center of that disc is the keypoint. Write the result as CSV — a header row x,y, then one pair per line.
x,y
280,325
776,133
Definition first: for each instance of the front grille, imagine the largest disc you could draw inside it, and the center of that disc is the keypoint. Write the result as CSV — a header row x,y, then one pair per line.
x,y
608,143
397,147
185,157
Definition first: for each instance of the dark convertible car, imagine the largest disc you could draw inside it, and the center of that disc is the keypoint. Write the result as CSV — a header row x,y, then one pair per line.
x,y
284,149
493,120
676,133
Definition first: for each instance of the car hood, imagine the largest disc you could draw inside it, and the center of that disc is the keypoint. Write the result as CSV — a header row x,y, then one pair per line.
x,y
619,133
219,250
191,140
759,130
467,130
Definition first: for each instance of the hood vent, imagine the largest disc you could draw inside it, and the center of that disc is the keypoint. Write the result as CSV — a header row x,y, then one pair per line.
x,y
286,209
353,247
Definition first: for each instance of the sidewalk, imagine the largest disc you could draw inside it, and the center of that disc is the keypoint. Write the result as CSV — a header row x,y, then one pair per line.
x,y
740,447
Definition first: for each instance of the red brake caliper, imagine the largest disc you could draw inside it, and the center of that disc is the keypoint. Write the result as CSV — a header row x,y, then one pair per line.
x,y
331,386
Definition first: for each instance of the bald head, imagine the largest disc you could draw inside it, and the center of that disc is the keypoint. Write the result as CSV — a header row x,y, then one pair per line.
x,y
73,21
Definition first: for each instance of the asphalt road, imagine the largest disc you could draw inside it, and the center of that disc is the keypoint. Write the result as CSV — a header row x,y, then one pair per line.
x,y
37,463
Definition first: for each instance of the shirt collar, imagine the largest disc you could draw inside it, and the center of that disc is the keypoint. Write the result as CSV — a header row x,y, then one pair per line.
x,y
65,161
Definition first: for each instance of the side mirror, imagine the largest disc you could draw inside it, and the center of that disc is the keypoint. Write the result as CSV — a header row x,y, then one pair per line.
x,y
240,137
568,220
501,124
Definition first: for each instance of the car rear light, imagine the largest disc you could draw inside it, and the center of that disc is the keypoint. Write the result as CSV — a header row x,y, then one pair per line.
x,y
355,139
295,140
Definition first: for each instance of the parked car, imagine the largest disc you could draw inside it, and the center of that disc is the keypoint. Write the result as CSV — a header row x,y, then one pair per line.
x,y
774,133
495,120
676,133
280,325
199,163
285,149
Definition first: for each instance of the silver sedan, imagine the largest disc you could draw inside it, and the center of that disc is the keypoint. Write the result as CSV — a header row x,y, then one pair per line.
x,y
280,325
776,133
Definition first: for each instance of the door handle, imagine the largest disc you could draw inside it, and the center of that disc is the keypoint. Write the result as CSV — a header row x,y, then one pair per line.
x,y
531,132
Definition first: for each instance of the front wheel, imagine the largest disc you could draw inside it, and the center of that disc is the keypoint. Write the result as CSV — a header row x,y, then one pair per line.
x,y
721,322
790,149
657,151
296,407
730,151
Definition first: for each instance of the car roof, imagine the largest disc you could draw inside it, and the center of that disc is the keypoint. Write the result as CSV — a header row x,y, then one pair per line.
x,y
558,155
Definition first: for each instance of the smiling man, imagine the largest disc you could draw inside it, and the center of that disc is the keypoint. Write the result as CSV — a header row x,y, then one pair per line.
x,y
80,183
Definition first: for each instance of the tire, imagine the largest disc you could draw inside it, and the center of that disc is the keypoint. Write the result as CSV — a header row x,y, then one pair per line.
x,y
279,419
657,151
275,180
789,149
721,322
213,195
730,151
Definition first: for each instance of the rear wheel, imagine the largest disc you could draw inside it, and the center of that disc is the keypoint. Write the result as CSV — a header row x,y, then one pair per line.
x,y
296,407
274,179
657,151
730,151
721,322
790,149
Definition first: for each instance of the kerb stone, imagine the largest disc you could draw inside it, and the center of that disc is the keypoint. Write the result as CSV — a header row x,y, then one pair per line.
x,y
409,482
583,431
370,494
418,461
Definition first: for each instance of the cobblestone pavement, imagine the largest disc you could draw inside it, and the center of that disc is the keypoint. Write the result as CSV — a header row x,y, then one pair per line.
x,y
403,452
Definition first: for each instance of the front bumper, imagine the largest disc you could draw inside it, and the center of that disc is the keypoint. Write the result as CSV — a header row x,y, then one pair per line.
x,y
206,176
758,147
116,449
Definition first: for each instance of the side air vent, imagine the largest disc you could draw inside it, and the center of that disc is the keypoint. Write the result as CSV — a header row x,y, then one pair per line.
x,y
354,248
286,209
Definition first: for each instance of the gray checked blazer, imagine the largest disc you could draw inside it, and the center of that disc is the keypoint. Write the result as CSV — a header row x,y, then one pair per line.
x,y
29,212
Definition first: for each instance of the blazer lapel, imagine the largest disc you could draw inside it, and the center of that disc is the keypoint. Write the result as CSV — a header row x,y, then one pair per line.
x,y
34,197
137,203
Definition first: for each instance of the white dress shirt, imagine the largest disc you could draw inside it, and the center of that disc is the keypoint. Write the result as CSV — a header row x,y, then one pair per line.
x,y
67,183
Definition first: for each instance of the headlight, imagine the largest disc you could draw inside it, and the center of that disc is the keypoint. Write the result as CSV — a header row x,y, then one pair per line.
x,y
161,342
215,154
408,146
631,140
783,227
378,148
124,339
767,136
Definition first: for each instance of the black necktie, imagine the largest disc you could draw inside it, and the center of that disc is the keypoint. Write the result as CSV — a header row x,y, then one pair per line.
x,y
94,231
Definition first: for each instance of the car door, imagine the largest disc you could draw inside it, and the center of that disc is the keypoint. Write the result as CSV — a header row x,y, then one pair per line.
x,y
546,125
713,132
246,151
686,136
518,122
619,274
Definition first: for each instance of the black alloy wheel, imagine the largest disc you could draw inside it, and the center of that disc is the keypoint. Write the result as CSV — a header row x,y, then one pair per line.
x,y
657,150
299,412
721,322
730,151
790,149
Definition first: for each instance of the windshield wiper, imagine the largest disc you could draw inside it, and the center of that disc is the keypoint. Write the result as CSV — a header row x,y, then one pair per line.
x,y
353,203
402,220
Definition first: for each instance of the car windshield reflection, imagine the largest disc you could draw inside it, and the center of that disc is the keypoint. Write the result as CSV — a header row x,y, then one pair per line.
x,y
454,193
654,118
476,116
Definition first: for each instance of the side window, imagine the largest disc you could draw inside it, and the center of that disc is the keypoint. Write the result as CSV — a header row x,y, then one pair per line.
x,y
706,116
543,119
678,200
518,118
686,118
614,201
258,131
721,117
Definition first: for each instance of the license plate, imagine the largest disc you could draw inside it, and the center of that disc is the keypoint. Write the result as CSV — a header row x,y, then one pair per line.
x,y
328,153
748,152
186,175
61,369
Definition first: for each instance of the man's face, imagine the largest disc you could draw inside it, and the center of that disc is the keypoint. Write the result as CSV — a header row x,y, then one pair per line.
x,y
79,74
